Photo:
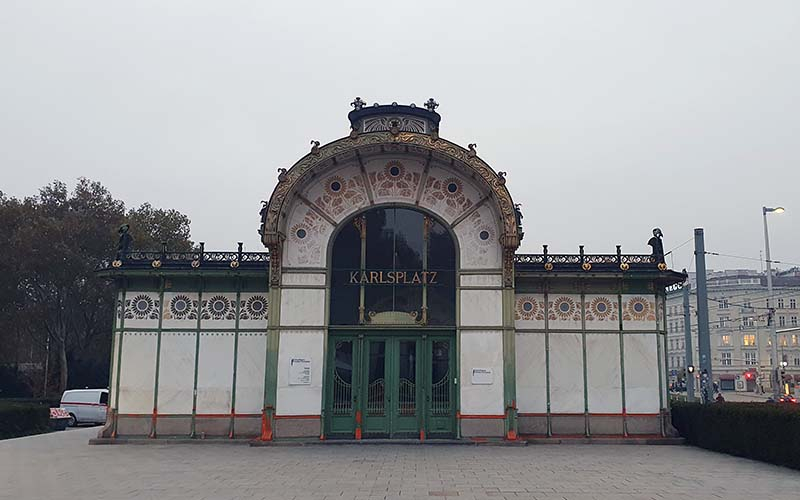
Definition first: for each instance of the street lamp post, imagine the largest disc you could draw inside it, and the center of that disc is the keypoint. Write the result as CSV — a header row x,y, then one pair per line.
x,y
771,320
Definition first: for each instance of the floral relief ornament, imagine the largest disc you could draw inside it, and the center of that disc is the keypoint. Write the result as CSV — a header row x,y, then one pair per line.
x,y
218,307
141,306
601,309
181,306
565,309
639,309
528,308
254,308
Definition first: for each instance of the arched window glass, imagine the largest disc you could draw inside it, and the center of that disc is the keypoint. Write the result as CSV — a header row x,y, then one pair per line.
x,y
393,266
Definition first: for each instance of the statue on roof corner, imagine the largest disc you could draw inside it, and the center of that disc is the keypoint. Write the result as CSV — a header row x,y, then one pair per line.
x,y
657,245
125,241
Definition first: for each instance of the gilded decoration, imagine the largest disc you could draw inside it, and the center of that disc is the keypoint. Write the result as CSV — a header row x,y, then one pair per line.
x,y
639,309
458,155
529,308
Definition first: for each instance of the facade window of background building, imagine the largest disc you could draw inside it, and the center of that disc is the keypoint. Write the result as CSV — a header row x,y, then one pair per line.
x,y
781,320
783,342
726,339
748,340
796,361
723,303
794,340
750,358
747,305
725,357
780,303
794,321
793,303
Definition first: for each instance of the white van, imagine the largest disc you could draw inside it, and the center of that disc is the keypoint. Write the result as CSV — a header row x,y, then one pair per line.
x,y
86,405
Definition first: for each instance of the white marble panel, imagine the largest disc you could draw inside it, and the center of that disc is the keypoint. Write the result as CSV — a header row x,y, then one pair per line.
x,y
564,311
566,373
641,373
303,279
531,372
603,373
137,372
638,312
481,349
180,310
218,310
300,399
602,311
176,373
394,179
447,193
253,310
215,372
481,280
302,307
250,367
481,308
142,309
479,239
529,310
113,367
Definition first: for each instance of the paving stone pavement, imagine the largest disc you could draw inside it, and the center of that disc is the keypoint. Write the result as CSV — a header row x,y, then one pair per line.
x,y
63,465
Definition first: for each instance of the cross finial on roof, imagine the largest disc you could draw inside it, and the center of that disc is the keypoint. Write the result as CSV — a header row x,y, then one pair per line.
x,y
431,105
358,103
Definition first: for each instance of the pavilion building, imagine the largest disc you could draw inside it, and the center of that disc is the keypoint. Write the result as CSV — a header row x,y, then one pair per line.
x,y
390,303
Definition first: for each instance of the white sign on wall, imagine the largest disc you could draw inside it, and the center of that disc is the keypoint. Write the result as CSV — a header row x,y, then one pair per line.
x,y
482,376
299,371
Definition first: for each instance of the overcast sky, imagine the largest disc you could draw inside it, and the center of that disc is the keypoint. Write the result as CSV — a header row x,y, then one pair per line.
x,y
610,117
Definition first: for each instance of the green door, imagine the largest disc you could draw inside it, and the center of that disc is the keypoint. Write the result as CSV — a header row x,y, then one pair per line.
x,y
440,387
390,387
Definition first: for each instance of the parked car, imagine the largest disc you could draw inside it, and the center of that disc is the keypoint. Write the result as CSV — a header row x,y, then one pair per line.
x,y
85,405
787,399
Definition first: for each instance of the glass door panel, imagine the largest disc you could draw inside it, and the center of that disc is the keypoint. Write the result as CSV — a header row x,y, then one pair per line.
x,y
405,422
341,396
376,397
441,395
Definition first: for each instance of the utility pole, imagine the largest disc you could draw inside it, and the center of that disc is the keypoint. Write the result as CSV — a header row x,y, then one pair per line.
x,y
687,335
773,333
703,334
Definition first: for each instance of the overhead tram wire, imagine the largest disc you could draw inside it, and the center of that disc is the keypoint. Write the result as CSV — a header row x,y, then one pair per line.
x,y
771,261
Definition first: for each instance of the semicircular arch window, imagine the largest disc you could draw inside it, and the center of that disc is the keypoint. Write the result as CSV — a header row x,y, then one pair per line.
x,y
393,266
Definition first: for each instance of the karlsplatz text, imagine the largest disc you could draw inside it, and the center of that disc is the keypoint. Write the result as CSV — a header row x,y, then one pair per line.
x,y
393,277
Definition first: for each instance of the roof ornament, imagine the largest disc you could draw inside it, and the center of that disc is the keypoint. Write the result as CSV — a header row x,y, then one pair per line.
x,y
314,147
431,105
657,245
472,153
358,104
281,174
501,177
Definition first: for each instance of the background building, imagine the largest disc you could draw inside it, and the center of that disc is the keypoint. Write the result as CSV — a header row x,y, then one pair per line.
x,y
740,338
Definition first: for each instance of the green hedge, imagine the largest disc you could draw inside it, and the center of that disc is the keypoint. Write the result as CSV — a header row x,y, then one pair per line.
x,y
19,418
761,431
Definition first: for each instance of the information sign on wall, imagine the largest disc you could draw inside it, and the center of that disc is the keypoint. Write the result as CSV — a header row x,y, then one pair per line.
x,y
482,376
299,371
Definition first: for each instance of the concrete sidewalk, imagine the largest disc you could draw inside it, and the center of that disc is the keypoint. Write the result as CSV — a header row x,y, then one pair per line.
x,y
63,465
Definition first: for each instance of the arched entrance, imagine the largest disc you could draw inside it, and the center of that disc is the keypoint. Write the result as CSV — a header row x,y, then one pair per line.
x,y
391,342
